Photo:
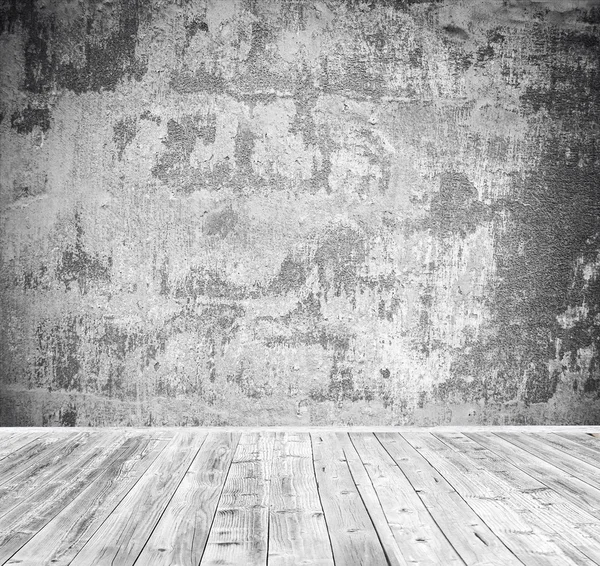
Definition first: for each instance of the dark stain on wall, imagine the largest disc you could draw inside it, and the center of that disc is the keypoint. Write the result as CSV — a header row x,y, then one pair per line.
x,y
124,132
536,292
26,120
68,416
221,222
107,57
200,80
179,144
456,208
244,145
207,283
292,275
193,27
553,229
57,364
173,165
76,265
36,279
339,255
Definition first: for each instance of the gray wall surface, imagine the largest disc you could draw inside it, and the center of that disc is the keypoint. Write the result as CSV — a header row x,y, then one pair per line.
x,y
255,212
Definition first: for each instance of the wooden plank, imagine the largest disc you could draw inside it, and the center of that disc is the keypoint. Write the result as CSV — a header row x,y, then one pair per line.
x,y
519,529
568,521
582,494
121,538
353,537
492,461
420,539
182,532
468,534
6,435
35,453
239,534
575,467
590,441
372,502
14,441
297,528
589,455
59,458
23,521
63,537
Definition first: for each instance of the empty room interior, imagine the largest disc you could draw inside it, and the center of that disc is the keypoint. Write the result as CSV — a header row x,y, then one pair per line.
x,y
300,282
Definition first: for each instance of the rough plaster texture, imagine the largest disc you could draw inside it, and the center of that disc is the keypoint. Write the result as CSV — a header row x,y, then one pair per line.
x,y
253,212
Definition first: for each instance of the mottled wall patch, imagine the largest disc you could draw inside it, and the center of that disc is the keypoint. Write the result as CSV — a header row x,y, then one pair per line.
x,y
248,212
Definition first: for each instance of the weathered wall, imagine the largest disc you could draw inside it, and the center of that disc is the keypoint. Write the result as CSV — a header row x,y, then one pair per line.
x,y
294,212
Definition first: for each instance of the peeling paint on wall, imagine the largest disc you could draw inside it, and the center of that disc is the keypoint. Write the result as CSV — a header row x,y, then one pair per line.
x,y
256,212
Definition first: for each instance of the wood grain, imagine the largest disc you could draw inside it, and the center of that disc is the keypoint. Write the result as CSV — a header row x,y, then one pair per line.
x,y
190,497
472,539
588,455
240,531
182,532
40,506
37,453
419,537
297,528
558,458
47,466
571,524
372,502
353,537
591,441
519,529
582,494
12,442
62,538
120,539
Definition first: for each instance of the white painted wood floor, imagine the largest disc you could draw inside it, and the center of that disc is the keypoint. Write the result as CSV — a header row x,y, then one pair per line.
x,y
188,497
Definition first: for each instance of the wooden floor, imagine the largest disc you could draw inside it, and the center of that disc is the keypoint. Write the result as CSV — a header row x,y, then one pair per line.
x,y
183,497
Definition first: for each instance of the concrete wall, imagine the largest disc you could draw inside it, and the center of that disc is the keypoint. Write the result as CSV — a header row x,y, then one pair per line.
x,y
299,212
